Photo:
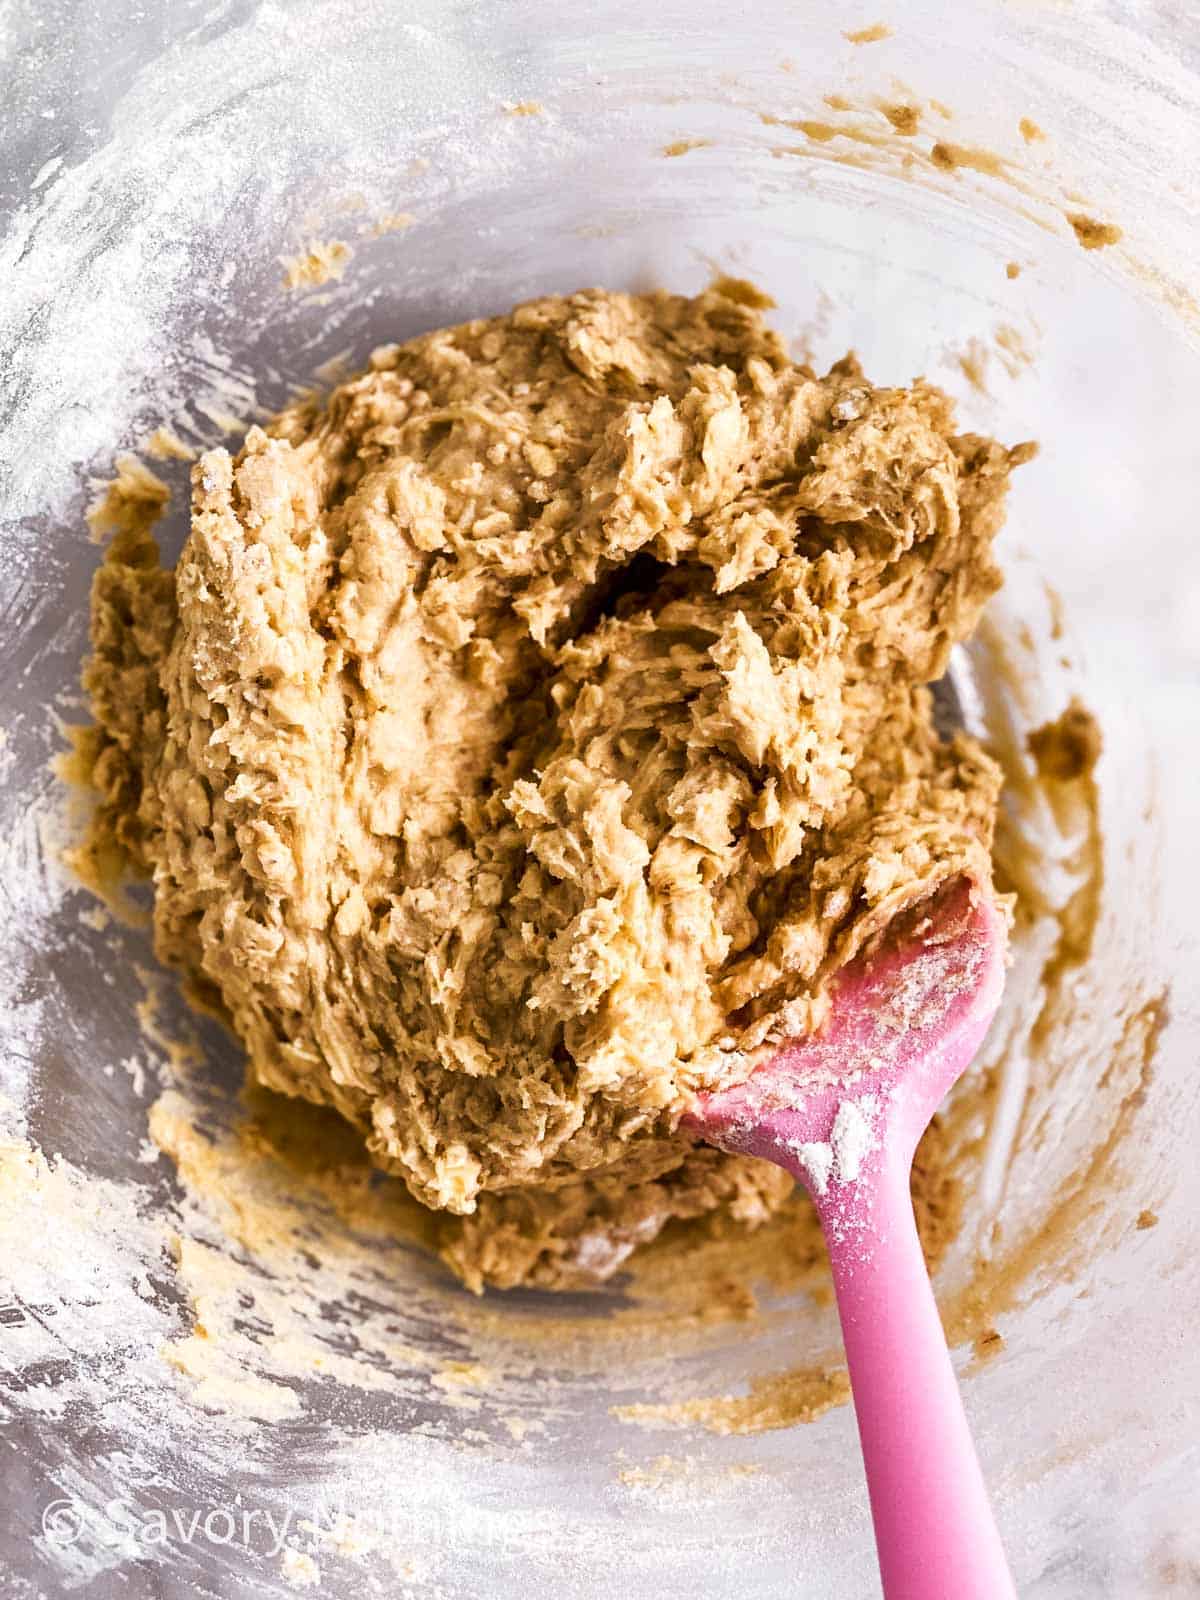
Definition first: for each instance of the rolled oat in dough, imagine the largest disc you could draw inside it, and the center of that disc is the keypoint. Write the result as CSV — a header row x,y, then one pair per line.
x,y
531,727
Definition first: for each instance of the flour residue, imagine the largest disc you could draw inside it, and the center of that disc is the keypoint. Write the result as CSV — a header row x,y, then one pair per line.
x,y
853,1137
681,1478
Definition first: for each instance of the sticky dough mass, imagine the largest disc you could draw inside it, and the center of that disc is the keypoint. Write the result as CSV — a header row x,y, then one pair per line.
x,y
530,728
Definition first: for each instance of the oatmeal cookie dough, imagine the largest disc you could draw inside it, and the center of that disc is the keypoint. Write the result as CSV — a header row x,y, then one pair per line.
x,y
531,727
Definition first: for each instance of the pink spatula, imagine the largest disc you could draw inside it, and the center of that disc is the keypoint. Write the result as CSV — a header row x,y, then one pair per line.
x,y
843,1112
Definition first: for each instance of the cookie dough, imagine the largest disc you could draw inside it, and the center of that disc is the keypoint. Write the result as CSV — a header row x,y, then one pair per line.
x,y
531,727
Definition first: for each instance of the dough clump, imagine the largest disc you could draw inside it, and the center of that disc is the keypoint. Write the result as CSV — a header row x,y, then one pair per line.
x,y
531,727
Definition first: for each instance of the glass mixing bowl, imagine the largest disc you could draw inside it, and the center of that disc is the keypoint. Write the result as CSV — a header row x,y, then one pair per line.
x,y
361,1422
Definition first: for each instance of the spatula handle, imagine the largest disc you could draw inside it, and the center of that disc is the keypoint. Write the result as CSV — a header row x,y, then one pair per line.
x,y
934,1528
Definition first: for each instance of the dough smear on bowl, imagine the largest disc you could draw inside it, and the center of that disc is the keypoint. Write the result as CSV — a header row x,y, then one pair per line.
x,y
530,728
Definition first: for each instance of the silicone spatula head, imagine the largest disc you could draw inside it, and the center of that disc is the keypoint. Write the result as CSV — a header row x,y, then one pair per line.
x,y
904,1022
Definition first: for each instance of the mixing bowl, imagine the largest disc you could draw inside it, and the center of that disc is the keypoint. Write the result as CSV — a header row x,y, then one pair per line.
x,y
231,1365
